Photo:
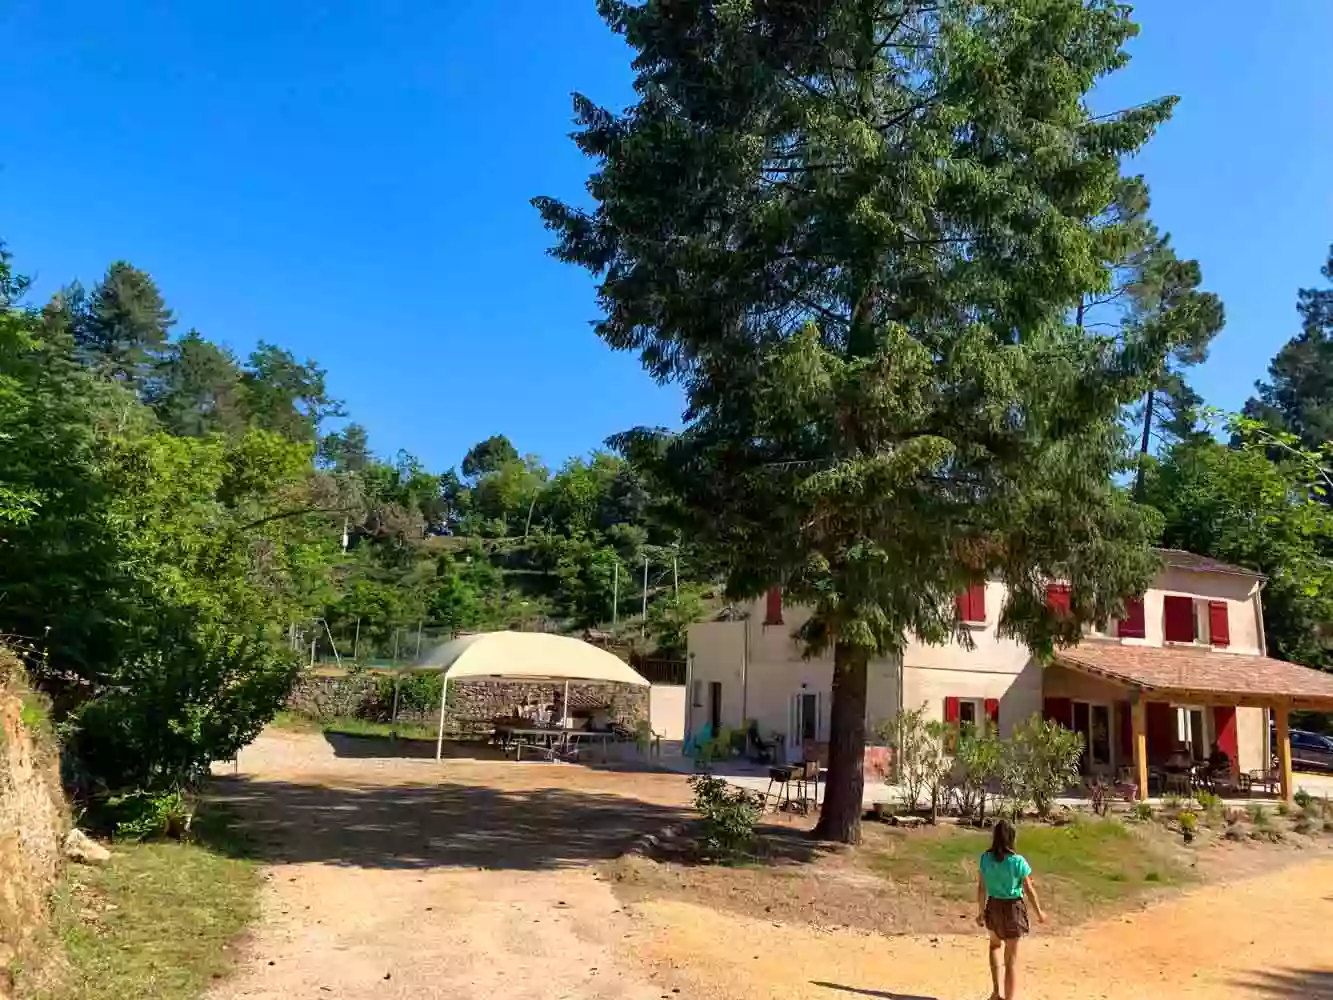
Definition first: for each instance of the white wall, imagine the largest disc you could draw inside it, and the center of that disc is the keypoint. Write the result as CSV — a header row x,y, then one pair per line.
x,y
666,710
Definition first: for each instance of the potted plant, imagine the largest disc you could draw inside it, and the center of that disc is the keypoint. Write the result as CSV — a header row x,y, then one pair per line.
x,y
1189,822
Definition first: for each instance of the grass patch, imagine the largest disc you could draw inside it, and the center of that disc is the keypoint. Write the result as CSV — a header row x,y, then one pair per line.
x,y
292,722
363,727
158,920
1076,867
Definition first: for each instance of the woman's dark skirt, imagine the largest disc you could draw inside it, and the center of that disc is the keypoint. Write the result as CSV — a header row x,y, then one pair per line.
x,y
1007,919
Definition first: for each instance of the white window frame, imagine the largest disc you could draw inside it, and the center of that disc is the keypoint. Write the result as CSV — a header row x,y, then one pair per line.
x,y
978,710
1185,729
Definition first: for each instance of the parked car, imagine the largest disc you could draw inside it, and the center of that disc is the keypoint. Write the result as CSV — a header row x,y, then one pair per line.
x,y
1309,751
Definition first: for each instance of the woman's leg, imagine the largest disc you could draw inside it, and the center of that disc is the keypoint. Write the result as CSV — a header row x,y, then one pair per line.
x,y
1010,969
995,945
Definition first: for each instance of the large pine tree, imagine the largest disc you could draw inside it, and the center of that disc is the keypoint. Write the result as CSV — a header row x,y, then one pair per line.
x,y
855,231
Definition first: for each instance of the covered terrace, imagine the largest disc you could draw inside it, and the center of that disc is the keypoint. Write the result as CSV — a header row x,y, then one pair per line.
x,y
1144,686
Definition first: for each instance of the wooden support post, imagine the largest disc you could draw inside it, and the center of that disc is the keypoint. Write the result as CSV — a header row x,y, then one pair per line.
x,y
1281,712
1139,714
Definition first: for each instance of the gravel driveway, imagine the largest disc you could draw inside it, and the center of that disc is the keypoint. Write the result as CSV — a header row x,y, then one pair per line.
x,y
400,878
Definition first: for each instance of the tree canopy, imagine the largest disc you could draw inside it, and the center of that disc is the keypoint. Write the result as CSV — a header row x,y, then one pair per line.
x,y
855,233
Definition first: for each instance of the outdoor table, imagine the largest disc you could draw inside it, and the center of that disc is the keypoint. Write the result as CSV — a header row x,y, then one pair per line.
x,y
547,737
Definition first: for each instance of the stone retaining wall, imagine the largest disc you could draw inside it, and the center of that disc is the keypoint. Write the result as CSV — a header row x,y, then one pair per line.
x,y
326,697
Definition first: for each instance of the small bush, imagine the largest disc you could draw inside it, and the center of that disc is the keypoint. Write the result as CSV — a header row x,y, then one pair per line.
x,y
1303,825
1259,816
1234,832
1283,809
148,816
1143,812
1189,823
1042,761
1303,799
729,814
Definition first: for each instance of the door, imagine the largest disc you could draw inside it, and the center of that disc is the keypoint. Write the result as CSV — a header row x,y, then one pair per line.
x,y
807,728
715,706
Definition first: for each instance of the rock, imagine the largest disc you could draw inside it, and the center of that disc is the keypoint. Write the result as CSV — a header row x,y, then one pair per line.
x,y
82,848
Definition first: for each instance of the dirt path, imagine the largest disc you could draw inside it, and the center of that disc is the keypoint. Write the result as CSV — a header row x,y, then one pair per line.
x,y
396,879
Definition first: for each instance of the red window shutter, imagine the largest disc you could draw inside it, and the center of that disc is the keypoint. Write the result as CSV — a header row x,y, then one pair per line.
x,y
1224,725
1059,710
1219,623
1179,618
993,711
1133,625
1057,598
773,606
1125,711
1161,726
951,712
972,603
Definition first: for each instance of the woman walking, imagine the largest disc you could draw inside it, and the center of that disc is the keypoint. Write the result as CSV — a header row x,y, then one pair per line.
x,y
1004,879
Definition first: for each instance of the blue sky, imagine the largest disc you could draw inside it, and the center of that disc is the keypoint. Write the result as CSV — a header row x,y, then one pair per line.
x,y
352,181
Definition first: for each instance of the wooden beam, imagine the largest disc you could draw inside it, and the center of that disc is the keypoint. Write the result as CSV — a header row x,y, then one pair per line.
x,y
1280,714
1139,714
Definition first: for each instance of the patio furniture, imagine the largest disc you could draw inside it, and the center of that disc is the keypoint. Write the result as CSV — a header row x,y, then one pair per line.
x,y
781,775
807,786
763,749
1178,783
1226,783
1266,780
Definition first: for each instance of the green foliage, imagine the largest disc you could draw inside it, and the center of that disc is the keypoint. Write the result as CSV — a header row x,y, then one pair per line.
x,y
1246,505
670,618
1259,816
729,814
1188,821
979,757
868,308
1298,398
1041,764
147,816
1303,799
1143,812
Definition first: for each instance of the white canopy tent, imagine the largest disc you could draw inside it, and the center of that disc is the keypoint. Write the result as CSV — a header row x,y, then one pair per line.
x,y
525,656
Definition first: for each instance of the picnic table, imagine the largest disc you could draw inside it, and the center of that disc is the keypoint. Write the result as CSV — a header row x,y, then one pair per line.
x,y
554,742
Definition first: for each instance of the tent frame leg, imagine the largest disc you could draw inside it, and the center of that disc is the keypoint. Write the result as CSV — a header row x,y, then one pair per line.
x,y
439,736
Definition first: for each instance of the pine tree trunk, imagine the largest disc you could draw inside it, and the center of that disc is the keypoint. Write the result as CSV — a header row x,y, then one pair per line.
x,y
1144,441
840,818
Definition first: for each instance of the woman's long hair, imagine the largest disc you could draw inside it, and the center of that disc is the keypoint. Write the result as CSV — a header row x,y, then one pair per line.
x,y
1002,840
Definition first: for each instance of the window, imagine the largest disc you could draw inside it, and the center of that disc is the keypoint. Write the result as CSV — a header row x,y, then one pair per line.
x,y
1178,612
967,712
1191,732
972,604
1093,723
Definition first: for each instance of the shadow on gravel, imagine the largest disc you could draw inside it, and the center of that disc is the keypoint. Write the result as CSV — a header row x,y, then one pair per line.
x,y
426,826
1296,984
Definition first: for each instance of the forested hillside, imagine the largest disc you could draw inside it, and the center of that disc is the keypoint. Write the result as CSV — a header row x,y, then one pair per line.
x,y
172,515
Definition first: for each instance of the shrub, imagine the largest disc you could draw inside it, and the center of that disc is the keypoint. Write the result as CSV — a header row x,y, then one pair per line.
x,y
1284,809
909,738
1304,824
1234,832
935,764
147,816
1303,799
979,757
1041,762
729,814
418,694
1099,796
1189,823
1259,816
1142,811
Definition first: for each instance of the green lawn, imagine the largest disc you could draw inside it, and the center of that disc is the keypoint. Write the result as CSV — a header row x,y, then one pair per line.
x,y
1076,867
353,727
157,921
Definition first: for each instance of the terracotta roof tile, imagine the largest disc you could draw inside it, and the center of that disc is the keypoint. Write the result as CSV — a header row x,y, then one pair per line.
x,y
1180,559
1185,668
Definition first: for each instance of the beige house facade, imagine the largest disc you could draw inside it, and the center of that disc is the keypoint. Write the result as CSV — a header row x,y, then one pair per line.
x,y
1196,615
